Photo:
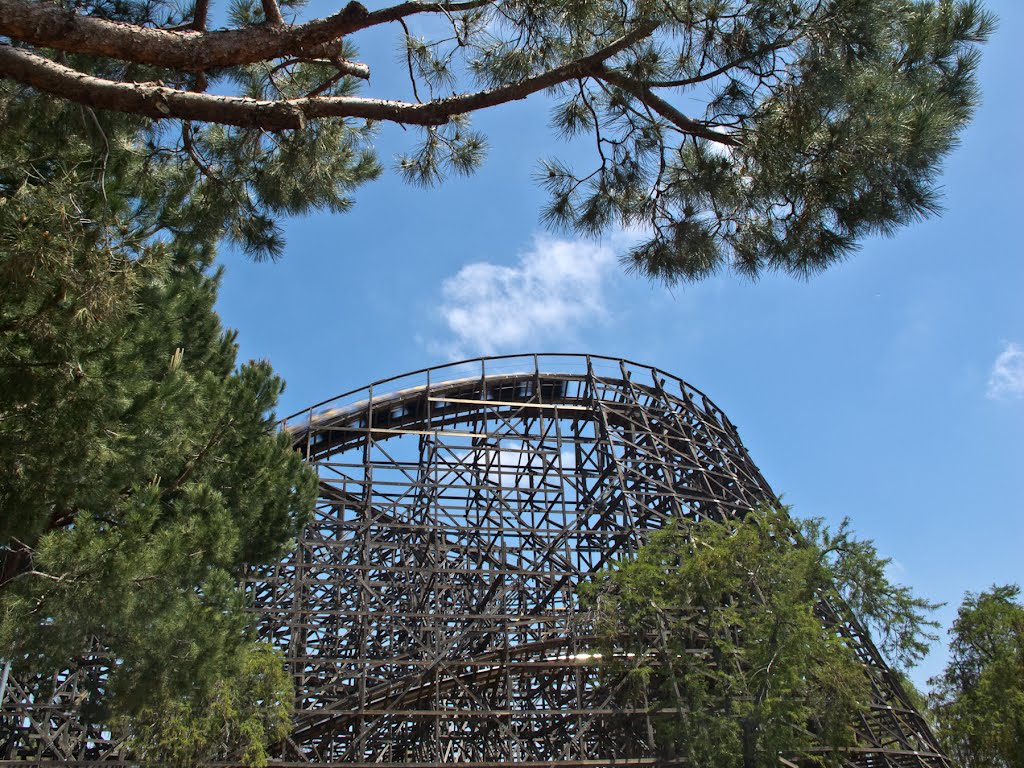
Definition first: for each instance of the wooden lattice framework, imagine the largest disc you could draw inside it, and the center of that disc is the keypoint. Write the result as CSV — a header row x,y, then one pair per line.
x,y
429,612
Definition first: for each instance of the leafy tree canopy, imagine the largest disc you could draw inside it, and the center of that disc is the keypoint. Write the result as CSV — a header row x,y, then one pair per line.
x,y
978,700
748,135
140,466
729,635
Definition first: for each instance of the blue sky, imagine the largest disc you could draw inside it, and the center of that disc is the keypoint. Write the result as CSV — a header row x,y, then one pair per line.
x,y
889,389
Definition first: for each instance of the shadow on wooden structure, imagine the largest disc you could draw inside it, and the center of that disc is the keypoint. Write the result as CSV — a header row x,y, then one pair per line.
x,y
429,613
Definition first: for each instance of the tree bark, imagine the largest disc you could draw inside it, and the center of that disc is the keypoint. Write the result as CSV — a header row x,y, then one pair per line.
x,y
159,101
53,26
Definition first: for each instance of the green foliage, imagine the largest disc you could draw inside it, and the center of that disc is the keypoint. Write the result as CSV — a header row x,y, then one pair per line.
x,y
897,620
816,124
250,177
141,468
246,711
742,135
718,631
450,149
978,701
835,117
200,183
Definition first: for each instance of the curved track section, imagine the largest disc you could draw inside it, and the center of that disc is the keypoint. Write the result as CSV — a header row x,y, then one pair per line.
x,y
429,614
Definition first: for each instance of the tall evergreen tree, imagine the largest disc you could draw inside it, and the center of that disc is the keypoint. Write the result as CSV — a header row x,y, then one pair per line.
x,y
140,468
748,135
978,700
717,631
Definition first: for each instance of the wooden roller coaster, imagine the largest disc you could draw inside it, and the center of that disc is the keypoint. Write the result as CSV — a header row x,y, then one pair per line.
x,y
429,613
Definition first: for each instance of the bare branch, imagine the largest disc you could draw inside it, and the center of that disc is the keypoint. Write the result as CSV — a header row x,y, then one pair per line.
x,y
149,99
408,60
53,26
42,575
201,13
326,85
190,148
158,101
779,44
647,97
332,52
272,13
352,68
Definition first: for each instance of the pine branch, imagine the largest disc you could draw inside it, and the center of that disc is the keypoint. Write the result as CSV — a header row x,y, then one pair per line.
x,y
647,97
272,13
52,26
159,101
201,13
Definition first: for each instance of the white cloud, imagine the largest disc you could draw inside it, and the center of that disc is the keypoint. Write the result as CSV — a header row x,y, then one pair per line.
x,y
555,288
1007,376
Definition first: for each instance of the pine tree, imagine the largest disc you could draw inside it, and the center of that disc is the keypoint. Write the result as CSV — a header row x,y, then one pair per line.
x,y
141,469
717,631
747,135
978,700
